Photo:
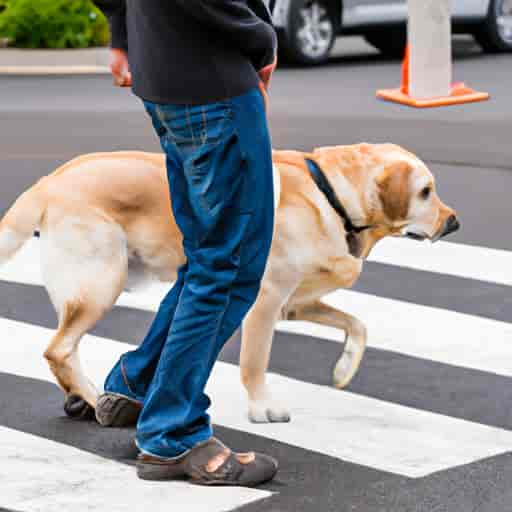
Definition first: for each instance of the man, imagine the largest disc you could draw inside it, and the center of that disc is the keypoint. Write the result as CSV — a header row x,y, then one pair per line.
x,y
201,68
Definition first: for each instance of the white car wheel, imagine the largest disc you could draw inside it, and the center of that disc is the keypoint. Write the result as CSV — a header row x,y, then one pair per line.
x,y
311,32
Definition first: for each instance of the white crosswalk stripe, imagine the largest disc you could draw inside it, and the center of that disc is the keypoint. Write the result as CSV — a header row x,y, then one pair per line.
x,y
421,331
46,476
385,436
461,260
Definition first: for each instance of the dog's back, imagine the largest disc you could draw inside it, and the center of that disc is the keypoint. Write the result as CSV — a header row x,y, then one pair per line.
x,y
106,182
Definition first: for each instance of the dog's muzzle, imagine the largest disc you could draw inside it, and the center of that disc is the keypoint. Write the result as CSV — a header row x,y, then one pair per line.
x,y
450,225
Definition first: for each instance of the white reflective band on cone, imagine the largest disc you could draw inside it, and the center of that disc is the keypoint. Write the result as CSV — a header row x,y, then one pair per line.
x,y
429,35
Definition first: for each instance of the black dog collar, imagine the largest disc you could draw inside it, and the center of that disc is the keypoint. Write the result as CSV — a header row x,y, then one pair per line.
x,y
323,184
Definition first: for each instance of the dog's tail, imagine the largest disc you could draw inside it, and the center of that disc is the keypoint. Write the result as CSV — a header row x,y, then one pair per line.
x,y
20,223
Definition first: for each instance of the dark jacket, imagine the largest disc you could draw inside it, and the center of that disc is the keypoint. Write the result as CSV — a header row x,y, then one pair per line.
x,y
192,51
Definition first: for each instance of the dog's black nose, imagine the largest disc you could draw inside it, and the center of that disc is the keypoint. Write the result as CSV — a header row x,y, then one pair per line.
x,y
451,225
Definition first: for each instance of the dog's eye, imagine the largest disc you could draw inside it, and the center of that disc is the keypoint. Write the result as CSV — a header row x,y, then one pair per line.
x,y
425,193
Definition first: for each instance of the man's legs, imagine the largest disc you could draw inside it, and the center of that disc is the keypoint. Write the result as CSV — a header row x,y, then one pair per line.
x,y
229,173
226,159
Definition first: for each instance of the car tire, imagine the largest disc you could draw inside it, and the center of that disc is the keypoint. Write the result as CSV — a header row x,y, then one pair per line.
x,y
391,42
494,36
310,33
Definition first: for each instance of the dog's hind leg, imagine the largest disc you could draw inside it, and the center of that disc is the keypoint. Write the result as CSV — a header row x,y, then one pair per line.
x,y
355,339
84,263
75,318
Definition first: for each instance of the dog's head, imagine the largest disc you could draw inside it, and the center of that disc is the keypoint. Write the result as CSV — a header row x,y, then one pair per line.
x,y
396,191
408,198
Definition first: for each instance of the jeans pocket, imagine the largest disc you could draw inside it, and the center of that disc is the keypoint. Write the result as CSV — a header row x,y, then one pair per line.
x,y
191,126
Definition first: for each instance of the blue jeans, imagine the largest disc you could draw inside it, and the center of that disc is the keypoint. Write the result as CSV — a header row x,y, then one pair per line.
x,y
219,169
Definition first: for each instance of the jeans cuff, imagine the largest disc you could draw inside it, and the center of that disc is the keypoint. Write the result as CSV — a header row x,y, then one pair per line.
x,y
117,382
174,448
146,452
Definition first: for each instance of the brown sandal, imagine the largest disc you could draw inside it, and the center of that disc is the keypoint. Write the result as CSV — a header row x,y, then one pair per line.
x,y
115,410
193,464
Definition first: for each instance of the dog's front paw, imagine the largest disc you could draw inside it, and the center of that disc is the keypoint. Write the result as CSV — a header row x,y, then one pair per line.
x,y
267,411
78,409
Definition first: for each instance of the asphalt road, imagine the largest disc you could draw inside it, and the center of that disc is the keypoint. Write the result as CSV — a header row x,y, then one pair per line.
x,y
45,121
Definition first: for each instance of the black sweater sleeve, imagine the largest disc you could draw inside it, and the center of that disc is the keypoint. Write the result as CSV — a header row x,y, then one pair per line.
x,y
244,23
115,11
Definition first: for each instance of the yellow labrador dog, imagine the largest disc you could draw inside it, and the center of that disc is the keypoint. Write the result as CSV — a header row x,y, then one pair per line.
x,y
99,211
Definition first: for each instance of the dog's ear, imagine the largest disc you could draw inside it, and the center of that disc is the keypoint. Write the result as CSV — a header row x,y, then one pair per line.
x,y
393,189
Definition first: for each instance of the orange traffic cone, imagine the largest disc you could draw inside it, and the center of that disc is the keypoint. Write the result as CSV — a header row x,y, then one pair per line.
x,y
460,93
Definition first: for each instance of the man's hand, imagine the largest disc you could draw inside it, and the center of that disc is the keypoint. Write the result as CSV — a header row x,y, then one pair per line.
x,y
265,75
120,68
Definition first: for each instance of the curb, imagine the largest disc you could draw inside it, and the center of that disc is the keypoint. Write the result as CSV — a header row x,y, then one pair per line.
x,y
92,61
54,70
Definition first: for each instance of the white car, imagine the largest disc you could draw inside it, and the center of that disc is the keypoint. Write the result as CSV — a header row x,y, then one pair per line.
x,y
308,28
